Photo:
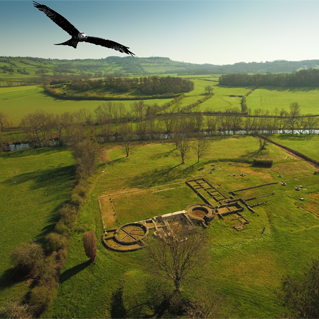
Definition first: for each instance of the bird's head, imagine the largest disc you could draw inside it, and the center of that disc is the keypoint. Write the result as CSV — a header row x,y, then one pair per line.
x,y
82,35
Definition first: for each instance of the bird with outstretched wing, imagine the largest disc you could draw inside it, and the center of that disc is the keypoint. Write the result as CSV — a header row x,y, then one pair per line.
x,y
78,36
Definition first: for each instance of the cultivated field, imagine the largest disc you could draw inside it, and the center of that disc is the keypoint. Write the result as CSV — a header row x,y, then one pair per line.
x,y
246,266
270,98
33,185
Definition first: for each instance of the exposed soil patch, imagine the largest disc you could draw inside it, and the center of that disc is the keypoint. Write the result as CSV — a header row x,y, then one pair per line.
x,y
199,213
108,214
104,154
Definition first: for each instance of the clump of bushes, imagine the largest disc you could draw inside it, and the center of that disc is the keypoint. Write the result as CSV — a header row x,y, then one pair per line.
x,y
27,259
263,163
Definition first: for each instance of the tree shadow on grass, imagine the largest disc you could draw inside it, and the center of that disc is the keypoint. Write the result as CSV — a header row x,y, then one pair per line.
x,y
154,176
34,151
7,279
45,178
12,276
162,155
73,271
117,305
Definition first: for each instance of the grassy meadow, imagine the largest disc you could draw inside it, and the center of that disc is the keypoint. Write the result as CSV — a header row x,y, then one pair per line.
x,y
270,98
303,143
19,101
33,185
246,266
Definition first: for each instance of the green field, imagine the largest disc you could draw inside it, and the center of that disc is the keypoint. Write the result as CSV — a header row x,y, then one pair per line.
x,y
19,101
305,144
270,98
33,185
246,266
220,101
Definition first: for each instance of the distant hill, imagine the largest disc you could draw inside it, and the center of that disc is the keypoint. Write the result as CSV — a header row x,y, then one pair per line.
x,y
126,66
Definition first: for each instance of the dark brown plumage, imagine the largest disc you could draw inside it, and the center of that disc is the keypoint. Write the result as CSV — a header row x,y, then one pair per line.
x,y
78,36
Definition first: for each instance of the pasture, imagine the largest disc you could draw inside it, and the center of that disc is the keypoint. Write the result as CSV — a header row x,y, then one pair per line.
x,y
270,98
18,102
246,266
33,185
305,144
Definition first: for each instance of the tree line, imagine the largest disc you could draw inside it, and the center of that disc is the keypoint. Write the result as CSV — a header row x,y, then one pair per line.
x,y
301,78
112,119
145,85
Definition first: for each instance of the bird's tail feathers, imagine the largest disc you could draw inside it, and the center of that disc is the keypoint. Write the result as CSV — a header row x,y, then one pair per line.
x,y
72,43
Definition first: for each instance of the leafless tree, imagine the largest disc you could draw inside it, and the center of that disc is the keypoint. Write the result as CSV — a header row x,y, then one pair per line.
x,y
312,123
177,258
103,114
86,151
212,122
168,120
183,146
293,115
200,145
3,121
139,109
127,137
38,126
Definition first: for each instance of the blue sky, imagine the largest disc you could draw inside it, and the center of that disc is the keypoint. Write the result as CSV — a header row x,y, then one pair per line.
x,y
216,32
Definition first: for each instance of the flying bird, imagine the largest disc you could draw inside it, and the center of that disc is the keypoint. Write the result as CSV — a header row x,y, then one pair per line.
x,y
78,36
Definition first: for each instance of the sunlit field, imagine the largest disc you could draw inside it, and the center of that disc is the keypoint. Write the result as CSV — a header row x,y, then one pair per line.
x,y
33,185
270,98
246,267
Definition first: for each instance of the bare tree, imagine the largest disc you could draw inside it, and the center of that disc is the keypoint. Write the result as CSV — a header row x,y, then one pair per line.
x,y
38,126
127,137
3,121
86,151
183,146
177,258
312,123
293,115
201,145
139,109
212,122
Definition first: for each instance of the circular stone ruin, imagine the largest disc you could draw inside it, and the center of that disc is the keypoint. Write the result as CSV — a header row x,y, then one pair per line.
x,y
200,213
131,233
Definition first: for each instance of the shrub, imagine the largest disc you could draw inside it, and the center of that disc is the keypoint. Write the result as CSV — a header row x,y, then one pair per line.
x,y
67,210
62,229
89,241
54,242
82,228
81,190
15,309
41,298
27,259
48,274
263,163
77,200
